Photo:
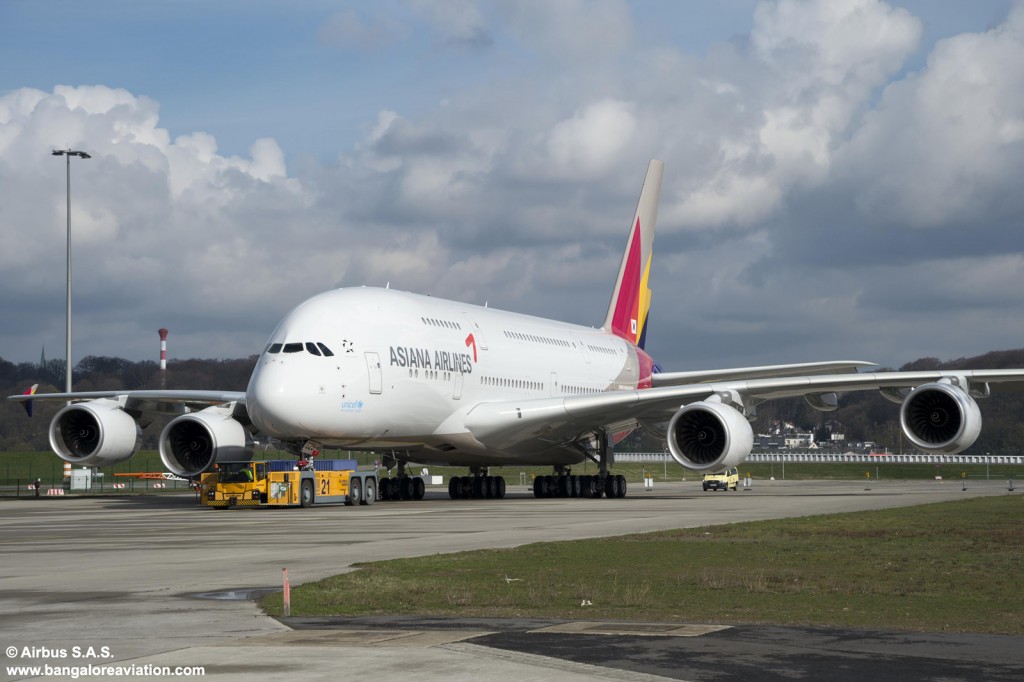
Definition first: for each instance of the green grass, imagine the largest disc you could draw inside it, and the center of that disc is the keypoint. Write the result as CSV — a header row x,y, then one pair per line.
x,y
952,566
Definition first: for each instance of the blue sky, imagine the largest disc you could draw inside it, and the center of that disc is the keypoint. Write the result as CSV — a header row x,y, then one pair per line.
x,y
839,176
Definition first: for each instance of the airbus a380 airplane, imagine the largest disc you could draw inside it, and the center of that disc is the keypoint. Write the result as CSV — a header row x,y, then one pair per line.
x,y
425,380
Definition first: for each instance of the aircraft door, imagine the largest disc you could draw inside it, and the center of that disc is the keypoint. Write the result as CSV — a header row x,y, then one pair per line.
x,y
478,333
457,389
374,371
583,347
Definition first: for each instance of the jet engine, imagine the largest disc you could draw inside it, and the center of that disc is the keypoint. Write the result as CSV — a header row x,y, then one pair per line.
x,y
95,433
940,418
709,436
193,443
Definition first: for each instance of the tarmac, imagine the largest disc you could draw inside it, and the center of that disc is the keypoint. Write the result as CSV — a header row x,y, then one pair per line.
x,y
143,581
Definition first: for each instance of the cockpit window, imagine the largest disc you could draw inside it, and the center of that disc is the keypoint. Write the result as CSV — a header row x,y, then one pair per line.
x,y
313,348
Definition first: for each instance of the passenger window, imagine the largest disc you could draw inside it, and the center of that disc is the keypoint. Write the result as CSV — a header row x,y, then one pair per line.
x,y
292,348
312,348
325,349
274,348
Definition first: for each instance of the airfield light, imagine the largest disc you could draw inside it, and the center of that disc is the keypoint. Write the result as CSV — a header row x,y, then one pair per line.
x,y
68,153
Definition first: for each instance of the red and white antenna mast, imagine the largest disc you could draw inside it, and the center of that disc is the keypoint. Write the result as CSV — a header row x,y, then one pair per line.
x,y
163,357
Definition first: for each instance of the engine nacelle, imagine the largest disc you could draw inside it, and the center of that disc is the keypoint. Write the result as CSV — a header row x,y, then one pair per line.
x,y
95,433
193,443
940,418
709,436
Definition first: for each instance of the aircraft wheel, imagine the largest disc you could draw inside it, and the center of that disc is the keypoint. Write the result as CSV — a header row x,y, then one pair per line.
x,y
611,486
622,485
306,494
355,493
419,488
405,488
369,492
563,486
499,487
574,486
453,488
540,486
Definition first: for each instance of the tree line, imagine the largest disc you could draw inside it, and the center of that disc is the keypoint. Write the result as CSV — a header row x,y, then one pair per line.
x,y
862,416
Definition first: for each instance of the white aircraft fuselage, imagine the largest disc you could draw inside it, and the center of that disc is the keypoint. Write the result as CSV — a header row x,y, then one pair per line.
x,y
403,368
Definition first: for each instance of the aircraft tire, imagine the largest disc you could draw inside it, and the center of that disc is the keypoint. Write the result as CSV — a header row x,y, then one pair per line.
x,y
454,485
369,492
499,487
405,488
623,486
419,489
563,486
540,486
574,486
384,489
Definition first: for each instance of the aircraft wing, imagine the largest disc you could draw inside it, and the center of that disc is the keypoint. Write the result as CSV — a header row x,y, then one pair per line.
x,y
145,401
801,369
511,425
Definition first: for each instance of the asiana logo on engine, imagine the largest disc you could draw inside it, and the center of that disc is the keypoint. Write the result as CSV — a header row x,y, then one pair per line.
x,y
424,358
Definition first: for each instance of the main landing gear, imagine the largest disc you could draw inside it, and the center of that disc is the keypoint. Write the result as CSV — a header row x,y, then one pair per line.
x,y
479,486
568,485
401,487
564,484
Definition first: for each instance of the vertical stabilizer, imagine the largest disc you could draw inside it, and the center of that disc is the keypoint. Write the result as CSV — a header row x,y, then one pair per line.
x,y
631,298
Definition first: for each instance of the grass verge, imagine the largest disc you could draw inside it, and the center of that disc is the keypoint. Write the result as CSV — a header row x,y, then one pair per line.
x,y
942,567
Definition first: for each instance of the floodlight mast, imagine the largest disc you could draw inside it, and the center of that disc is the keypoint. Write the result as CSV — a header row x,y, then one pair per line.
x,y
68,153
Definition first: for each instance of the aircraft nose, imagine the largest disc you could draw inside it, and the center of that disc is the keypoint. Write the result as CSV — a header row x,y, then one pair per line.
x,y
269,399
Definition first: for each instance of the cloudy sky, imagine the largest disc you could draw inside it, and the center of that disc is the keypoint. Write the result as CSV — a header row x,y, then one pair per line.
x,y
843,180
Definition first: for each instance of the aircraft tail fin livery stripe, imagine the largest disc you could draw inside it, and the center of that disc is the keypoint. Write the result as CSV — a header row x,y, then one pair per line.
x,y
631,298
28,403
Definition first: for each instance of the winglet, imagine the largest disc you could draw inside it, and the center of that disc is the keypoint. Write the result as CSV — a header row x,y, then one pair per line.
x,y
28,403
631,298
